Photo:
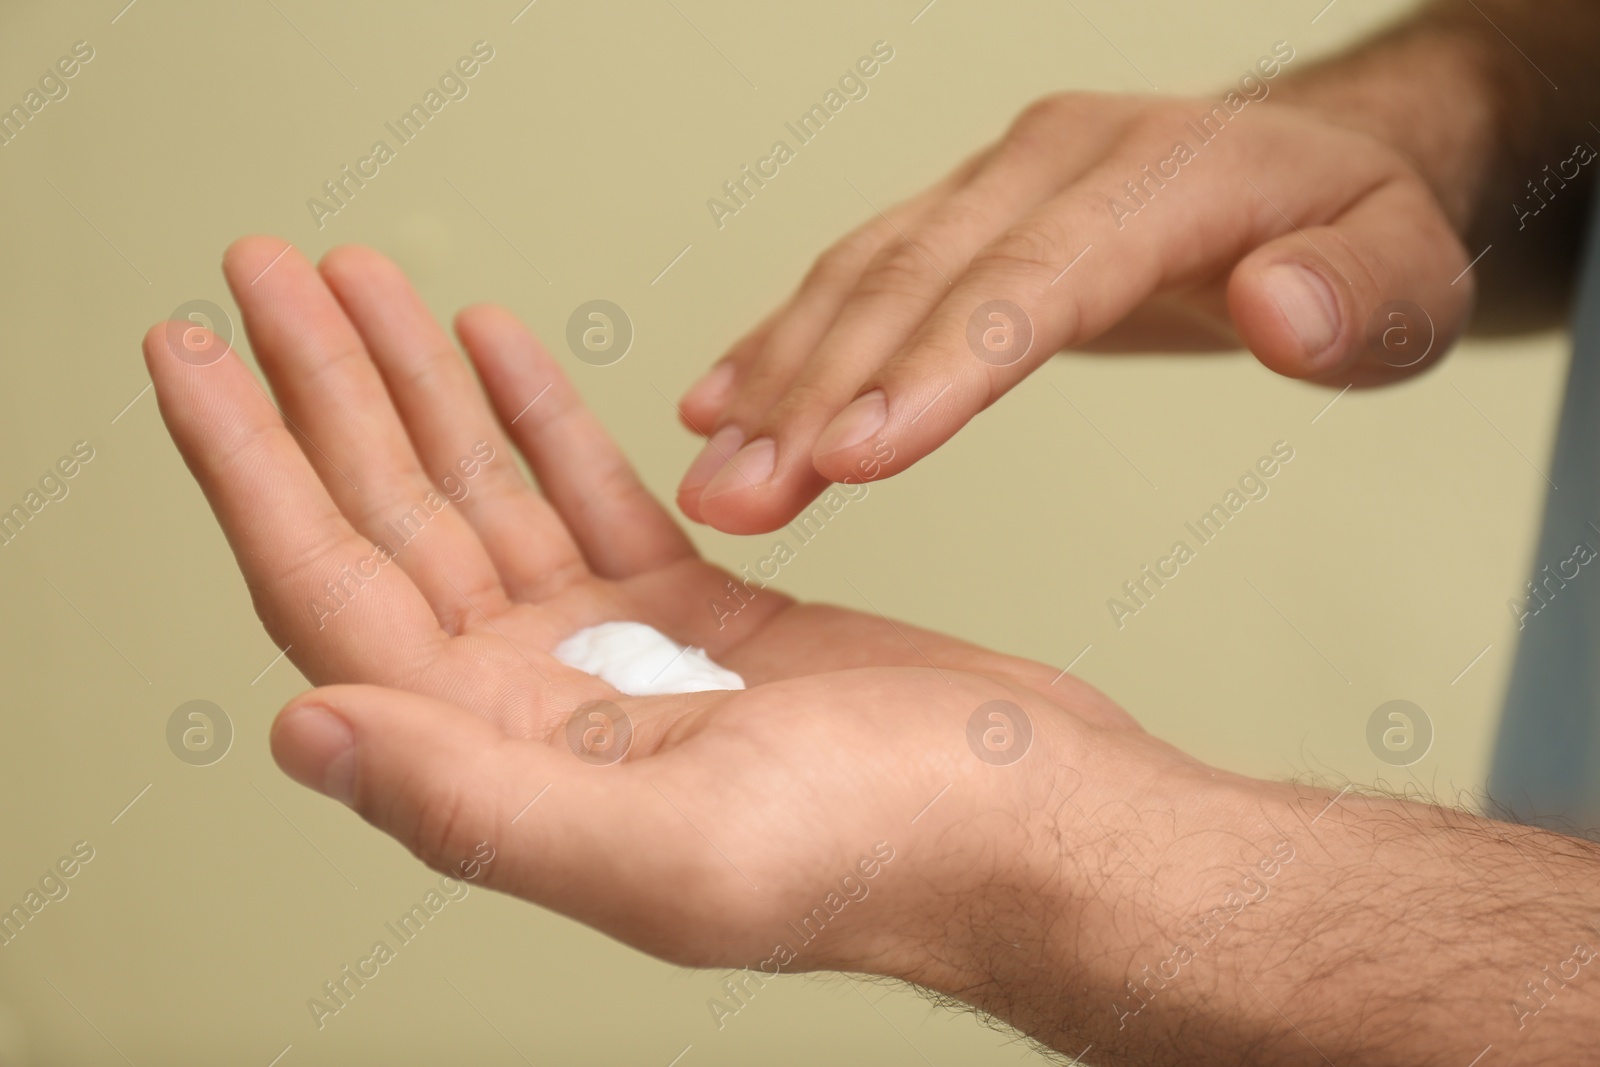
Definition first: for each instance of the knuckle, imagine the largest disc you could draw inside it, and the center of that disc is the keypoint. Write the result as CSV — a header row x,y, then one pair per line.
x,y
762,386
317,561
1048,117
954,221
287,602
840,263
804,399
901,270
392,497
423,374
1046,111
556,580
613,478
749,347
541,423
1037,128
439,823
1159,122
826,270
500,488
344,361
1028,249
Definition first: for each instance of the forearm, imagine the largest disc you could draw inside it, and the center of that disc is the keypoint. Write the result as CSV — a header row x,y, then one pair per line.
x,y
1279,925
1478,94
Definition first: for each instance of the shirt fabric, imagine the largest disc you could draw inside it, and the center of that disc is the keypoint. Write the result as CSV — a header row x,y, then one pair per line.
x,y
1546,766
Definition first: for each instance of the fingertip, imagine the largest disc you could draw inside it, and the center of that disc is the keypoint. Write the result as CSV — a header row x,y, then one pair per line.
x,y
182,341
1292,316
715,454
470,324
249,257
696,421
503,349
316,746
153,340
751,467
888,428
246,243
484,316
494,332
735,513
154,347
689,505
862,419
704,401
347,261
742,508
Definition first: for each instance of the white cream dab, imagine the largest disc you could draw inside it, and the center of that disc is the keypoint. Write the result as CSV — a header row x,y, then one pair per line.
x,y
641,661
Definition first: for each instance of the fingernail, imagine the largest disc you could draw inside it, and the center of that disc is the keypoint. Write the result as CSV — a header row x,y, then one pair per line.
x,y
718,450
1308,305
864,417
711,390
752,465
318,749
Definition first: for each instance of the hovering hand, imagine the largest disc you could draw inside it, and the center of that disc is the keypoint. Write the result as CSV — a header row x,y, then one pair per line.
x,y
1107,222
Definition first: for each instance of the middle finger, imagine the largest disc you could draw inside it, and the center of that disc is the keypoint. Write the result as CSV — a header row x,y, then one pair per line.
x,y
332,396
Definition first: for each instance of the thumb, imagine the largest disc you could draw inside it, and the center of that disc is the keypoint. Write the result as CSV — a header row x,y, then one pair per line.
x,y
1378,294
451,787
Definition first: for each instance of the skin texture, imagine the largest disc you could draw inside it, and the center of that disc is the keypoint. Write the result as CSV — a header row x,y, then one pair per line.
x,y
443,656
853,809
1480,97
1331,193
1101,891
1283,234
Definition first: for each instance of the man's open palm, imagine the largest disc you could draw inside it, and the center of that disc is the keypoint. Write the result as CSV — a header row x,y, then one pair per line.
x,y
392,545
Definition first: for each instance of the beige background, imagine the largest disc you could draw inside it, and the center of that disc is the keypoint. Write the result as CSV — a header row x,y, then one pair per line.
x,y
226,895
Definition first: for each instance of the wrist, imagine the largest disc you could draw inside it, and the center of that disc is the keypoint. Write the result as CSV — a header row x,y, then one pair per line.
x,y
1073,893
1183,914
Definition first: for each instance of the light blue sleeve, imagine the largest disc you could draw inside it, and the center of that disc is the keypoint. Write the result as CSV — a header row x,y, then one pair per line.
x,y
1547,760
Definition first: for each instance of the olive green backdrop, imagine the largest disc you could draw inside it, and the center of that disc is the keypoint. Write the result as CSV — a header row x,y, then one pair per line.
x,y
578,168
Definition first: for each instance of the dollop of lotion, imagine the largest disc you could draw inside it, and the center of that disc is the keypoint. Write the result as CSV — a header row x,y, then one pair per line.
x,y
641,661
